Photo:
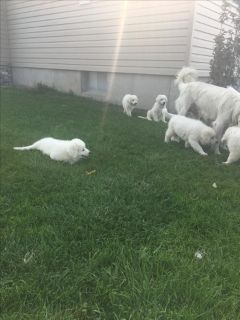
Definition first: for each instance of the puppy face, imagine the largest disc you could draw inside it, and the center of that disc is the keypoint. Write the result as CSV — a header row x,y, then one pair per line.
x,y
209,137
78,149
133,100
161,100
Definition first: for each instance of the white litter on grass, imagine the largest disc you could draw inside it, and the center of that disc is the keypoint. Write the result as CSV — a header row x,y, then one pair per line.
x,y
28,257
214,185
199,254
88,173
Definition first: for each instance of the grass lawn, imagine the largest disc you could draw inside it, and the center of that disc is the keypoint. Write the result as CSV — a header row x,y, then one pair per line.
x,y
120,243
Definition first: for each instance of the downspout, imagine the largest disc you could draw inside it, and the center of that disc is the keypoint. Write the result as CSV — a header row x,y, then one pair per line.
x,y
9,66
188,58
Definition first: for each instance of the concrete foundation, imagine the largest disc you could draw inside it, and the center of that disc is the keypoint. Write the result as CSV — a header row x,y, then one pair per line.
x,y
101,86
62,80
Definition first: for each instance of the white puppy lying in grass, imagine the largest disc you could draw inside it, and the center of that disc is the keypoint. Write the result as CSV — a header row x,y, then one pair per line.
x,y
129,102
60,150
155,113
192,131
231,139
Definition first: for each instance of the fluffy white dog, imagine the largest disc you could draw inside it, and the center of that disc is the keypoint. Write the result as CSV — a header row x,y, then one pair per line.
x,y
155,113
60,150
214,104
129,102
231,139
192,131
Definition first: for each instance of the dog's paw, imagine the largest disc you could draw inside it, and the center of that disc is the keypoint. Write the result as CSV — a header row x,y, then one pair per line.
x,y
217,152
225,163
204,154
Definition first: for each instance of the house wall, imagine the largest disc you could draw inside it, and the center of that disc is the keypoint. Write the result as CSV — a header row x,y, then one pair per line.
x,y
4,48
101,49
144,37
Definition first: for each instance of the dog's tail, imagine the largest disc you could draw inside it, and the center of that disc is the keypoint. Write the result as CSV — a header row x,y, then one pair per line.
x,y
166,115
25,148
185,75
140,117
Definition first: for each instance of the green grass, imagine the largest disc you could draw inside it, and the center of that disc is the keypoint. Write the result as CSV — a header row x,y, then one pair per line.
x,y
120,243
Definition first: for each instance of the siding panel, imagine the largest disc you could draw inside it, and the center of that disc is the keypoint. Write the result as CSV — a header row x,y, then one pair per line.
x,y
93,45
103,56
58,35
100,49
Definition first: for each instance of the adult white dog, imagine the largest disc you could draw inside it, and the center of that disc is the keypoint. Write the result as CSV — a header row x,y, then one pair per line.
x,y
129,102
231,139
60,150
214,104
194,132
155,113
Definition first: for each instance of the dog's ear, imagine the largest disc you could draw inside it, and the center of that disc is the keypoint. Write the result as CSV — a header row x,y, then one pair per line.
x,y
74,149
205,136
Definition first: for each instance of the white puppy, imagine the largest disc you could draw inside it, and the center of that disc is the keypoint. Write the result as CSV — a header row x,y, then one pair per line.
x,y
155,113
192,131
129,102
231,139
60,150
221,105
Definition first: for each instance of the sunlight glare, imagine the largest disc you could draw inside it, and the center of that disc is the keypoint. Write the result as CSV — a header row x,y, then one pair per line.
x,y
115,61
